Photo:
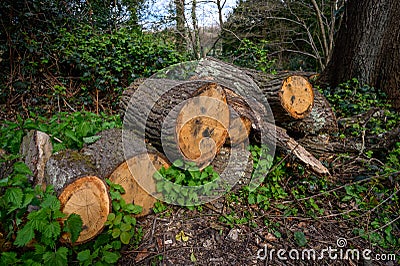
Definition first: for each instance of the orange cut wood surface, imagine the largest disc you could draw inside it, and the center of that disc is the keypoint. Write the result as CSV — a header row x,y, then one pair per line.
x,y
136,177
87,197
202,125
297,96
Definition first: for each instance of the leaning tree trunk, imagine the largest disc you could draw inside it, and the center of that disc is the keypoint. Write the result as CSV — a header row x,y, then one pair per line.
x,y
368,47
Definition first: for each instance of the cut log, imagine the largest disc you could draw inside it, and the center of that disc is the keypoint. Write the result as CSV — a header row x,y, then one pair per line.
x,y
202,125
297,96
190,121
88,197
65,166
107,153
317,115
36,147
136,177
320,119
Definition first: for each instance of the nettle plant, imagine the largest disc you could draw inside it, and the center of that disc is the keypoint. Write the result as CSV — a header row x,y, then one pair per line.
x,y
176,182
32,226
30,218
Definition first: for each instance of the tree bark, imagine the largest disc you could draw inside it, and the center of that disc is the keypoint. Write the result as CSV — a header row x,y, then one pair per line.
x,y
368,47
317,115
36,147
180,25
189,121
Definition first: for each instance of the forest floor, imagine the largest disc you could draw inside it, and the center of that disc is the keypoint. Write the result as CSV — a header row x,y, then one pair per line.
x,y
229,231
349,218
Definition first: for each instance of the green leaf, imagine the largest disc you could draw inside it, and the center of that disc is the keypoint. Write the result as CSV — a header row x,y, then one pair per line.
x,y
125,227
118,219
9,258
300,238
27,199
24,235
58,258
193,257
134,209
111,217
14,195
116,232
125,237
92,139
110,257
70,134
84,256
73,225
38,219
52,230
251,199
21,168
40,249
51,202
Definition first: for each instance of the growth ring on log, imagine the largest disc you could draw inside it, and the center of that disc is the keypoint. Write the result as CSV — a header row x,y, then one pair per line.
x,y
297,96
202,124
136,173
88,197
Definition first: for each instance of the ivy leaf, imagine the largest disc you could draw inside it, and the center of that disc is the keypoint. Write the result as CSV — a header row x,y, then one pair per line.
x,y
73,226
58,258
14,195
251,199
24,235
110,257
134,209
125,227
84,256
300,238
125,238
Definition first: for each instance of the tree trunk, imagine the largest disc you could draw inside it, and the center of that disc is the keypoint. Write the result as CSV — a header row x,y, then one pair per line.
x,y
36,147
368,47
180,25
196,34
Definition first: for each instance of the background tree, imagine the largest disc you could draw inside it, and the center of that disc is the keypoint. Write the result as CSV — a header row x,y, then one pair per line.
x,y
297,34
368,47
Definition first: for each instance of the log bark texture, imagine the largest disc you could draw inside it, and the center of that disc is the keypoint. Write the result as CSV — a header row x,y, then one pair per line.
x,y
168,126
66,166
321,118
36,147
